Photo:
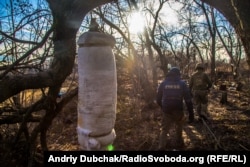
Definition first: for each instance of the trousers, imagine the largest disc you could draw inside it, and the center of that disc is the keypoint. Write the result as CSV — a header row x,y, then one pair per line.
x,y
201,101
176,119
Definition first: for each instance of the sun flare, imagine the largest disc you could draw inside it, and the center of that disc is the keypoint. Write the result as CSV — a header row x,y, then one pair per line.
x,y
136,23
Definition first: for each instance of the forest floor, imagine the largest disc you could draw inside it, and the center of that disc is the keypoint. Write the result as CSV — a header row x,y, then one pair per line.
x,y
227,128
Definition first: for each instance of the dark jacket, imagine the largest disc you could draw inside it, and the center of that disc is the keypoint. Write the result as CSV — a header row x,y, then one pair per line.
x,y
171,93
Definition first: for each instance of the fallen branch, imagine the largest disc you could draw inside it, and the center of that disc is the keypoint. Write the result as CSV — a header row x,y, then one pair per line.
x,y
213,135
244,147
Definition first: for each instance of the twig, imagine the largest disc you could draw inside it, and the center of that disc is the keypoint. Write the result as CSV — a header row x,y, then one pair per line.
x,y
142,144
244,147
217,141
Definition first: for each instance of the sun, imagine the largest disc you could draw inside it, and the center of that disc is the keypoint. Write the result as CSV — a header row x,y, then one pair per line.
x,y
136,23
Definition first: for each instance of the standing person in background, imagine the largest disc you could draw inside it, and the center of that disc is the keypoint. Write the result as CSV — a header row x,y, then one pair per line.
x,y
171,93
199,85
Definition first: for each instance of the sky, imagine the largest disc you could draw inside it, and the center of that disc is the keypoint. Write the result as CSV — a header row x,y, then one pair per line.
x,y
137,20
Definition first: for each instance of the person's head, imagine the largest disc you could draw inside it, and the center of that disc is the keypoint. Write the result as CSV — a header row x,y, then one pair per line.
x,y
174,71
199,66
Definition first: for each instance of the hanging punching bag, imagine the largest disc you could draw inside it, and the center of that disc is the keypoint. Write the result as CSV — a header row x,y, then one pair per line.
x,y
97,94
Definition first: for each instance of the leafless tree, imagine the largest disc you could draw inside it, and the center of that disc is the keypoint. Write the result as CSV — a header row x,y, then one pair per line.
x,y
47,33
237,13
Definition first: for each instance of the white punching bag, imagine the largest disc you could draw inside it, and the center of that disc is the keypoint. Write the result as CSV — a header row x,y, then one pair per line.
x,y
97,95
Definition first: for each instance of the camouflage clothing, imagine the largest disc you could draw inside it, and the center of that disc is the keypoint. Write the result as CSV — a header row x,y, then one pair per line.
x,y
200,84
169,119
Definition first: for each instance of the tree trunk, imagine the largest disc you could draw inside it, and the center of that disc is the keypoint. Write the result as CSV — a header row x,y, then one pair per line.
x,y
67,18
237,13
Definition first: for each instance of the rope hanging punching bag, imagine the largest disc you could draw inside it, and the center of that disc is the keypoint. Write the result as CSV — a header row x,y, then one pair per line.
x,y
97,94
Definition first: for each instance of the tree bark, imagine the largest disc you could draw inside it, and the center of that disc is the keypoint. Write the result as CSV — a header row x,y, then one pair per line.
x,y
67,18
237,13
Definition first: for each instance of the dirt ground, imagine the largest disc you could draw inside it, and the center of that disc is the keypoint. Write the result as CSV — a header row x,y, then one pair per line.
x,y
227,128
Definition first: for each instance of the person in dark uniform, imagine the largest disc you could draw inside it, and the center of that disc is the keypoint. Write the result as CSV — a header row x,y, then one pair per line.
x,y
170,96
